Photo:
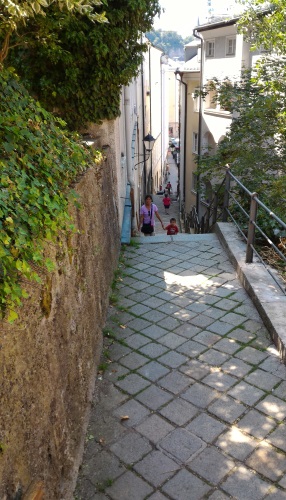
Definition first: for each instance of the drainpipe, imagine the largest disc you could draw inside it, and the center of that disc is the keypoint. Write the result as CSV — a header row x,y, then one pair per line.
x,y
181,73
150,85
128,139
143,129
197,35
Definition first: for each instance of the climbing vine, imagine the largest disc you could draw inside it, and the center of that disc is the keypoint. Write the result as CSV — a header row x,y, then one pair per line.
x,y
38,163
76,67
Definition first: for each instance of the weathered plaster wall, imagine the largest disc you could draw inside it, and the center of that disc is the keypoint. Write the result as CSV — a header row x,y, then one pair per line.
x,y
48,358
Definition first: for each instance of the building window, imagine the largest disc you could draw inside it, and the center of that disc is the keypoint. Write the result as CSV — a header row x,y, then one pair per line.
x,y
230,46
210,48
195,142
194,182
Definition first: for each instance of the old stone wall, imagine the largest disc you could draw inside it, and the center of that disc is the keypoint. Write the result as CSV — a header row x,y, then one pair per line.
x,y
48,357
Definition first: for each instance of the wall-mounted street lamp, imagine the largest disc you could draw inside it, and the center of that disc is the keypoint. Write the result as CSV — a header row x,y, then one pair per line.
x,y
149,142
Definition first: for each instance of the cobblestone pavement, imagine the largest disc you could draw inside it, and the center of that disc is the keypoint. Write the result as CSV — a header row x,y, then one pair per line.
x,y
191,401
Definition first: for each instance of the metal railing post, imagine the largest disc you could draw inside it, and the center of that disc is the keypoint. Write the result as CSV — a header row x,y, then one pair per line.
x,y
214,218
226,195
251,228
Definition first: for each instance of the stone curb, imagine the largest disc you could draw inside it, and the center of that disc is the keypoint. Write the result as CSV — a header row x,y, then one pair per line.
x,y
267,297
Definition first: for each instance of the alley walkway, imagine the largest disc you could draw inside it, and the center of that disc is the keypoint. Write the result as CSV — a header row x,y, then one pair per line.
x,y
191,400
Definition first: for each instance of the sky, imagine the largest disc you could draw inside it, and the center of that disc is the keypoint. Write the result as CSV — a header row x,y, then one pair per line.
x,y
182,15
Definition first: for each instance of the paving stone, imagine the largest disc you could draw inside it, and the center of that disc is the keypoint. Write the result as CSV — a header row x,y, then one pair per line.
x,y
191,348
236,367
251,355
185,484
276,494
153,371
220,327
131,447
256,424
195,369
234,319
181,301
218,495
236,443
184,315
173,359
179,411
153,302
132,383
175,382
243,484
105,428
154,398
154,331
157,496
170,323
282,482
262,379
172,340
153,350
101,467
214,313
274,365
198,307
267,462
219,381
213,357
139,296
110,396
206,427
207,338
201,321
188,331
134,410
228,346
200,395
155,316
166,295
116,351
181,444
154,428
273,407
133,360
168,308
246,393
280,391
227,304
212,465
139,309
156,468
227,409
114,370
277,438
252,325
139,324
137,340
129,486
241,335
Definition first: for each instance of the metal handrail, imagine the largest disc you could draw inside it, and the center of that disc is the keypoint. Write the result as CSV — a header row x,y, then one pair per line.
x,y
210,217
253,226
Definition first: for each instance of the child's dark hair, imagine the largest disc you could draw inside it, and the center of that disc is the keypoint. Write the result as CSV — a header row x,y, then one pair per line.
x,y
172,219
148,196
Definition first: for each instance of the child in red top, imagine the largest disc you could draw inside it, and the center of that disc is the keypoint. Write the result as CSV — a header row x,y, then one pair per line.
x,y
172,228
166,202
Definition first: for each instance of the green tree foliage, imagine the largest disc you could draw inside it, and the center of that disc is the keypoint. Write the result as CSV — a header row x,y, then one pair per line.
x,y
76,68
170,42
255,145
14,14
38,163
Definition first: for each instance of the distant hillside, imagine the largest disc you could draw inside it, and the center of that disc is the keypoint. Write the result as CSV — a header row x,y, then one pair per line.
x,y
170,42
